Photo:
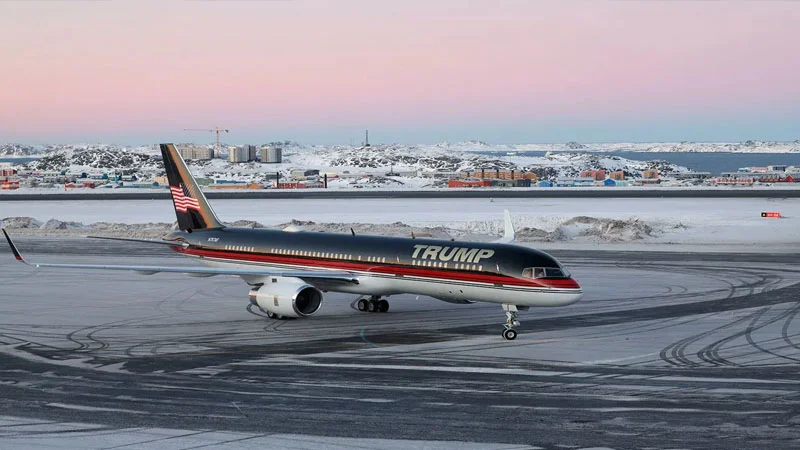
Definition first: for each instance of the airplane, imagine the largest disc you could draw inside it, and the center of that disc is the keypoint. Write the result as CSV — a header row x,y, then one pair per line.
x,y
289,270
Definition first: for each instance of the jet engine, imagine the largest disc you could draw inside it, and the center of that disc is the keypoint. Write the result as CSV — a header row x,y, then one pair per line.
x,y
287,297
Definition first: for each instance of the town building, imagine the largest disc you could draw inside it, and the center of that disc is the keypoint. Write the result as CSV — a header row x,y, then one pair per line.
x,y
650,174
239,154
596,175
271,155
302,184
499,174
692,175
193,152
468,182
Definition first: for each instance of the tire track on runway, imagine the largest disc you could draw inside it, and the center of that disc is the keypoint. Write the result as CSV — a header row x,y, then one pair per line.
x,y
675,353
785,329
710,353
92,330
788,316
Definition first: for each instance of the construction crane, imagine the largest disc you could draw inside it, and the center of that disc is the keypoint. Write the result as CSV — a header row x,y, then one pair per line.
x,y
216,129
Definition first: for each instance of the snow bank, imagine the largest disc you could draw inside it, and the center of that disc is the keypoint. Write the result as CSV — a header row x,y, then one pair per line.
x,y
614,230
28,226
580,228
20,223
640,221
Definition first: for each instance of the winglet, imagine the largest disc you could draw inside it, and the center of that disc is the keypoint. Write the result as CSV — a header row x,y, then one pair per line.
x,y
13,247
509,235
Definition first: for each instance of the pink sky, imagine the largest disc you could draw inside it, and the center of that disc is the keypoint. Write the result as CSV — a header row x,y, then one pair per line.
x,y
317,71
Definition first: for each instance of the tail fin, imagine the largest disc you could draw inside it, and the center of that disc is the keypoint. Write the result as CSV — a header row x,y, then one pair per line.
x,y
191,206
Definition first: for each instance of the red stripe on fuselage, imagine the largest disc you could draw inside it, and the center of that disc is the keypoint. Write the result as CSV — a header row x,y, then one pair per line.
x,y
388,269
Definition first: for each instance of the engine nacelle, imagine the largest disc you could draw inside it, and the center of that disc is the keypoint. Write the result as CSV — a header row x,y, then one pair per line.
x,y
289,297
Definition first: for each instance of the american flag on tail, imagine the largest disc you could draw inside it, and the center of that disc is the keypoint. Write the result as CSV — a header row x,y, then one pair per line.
x,y
183,199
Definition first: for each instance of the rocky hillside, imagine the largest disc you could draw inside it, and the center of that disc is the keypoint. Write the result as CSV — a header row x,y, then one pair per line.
x,y
377,160
18,150
83,158
461,157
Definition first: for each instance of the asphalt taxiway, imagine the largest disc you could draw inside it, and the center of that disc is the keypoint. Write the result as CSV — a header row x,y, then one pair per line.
x,y
666,350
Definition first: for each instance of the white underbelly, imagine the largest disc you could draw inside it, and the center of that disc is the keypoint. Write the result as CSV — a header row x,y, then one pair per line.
x,y
384,284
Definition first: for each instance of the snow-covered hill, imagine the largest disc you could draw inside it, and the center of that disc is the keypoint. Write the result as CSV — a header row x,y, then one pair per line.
x,y
412,161
742,147
18,150
76,159
666,147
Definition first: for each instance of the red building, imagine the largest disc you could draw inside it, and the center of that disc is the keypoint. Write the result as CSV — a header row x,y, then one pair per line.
x,y
468,183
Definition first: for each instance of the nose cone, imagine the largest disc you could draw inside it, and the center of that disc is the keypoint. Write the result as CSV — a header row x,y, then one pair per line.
x,y
575,296
561,283
565,291
575,293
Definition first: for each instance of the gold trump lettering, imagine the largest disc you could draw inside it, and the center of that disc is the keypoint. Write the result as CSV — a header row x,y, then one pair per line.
x,y
454,254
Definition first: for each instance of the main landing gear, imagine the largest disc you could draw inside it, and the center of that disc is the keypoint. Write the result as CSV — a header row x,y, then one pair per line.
x,y
512,322
373,304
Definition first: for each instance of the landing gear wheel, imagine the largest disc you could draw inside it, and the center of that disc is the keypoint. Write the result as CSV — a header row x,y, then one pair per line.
x,y
363,304
271,315
383,306
512,322
372,306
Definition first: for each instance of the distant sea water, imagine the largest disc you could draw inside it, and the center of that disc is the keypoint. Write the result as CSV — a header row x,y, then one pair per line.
x,y
17,161
715,163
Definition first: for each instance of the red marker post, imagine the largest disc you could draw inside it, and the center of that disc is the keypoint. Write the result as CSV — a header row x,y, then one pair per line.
x,y
771,215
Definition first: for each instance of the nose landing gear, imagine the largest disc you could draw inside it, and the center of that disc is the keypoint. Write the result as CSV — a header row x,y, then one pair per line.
x,y
373,304
512,322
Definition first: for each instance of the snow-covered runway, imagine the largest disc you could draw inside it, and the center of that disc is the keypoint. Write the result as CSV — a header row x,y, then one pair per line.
x,y
666,350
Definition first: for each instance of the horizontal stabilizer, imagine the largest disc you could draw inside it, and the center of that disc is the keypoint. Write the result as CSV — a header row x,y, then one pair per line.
x,y
143,241
195,270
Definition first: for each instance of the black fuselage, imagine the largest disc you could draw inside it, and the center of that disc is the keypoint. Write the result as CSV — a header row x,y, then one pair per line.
x,y
345,251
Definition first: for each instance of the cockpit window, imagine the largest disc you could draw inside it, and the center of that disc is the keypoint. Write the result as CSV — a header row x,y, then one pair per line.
x,y
545,272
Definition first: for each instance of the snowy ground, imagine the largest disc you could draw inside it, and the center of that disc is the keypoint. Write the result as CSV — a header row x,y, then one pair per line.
x,y
664,351
668,224
19,150
357,166
660,147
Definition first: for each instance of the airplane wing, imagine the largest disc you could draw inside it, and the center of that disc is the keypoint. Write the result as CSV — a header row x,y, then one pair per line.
x,y
509,235
196,271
